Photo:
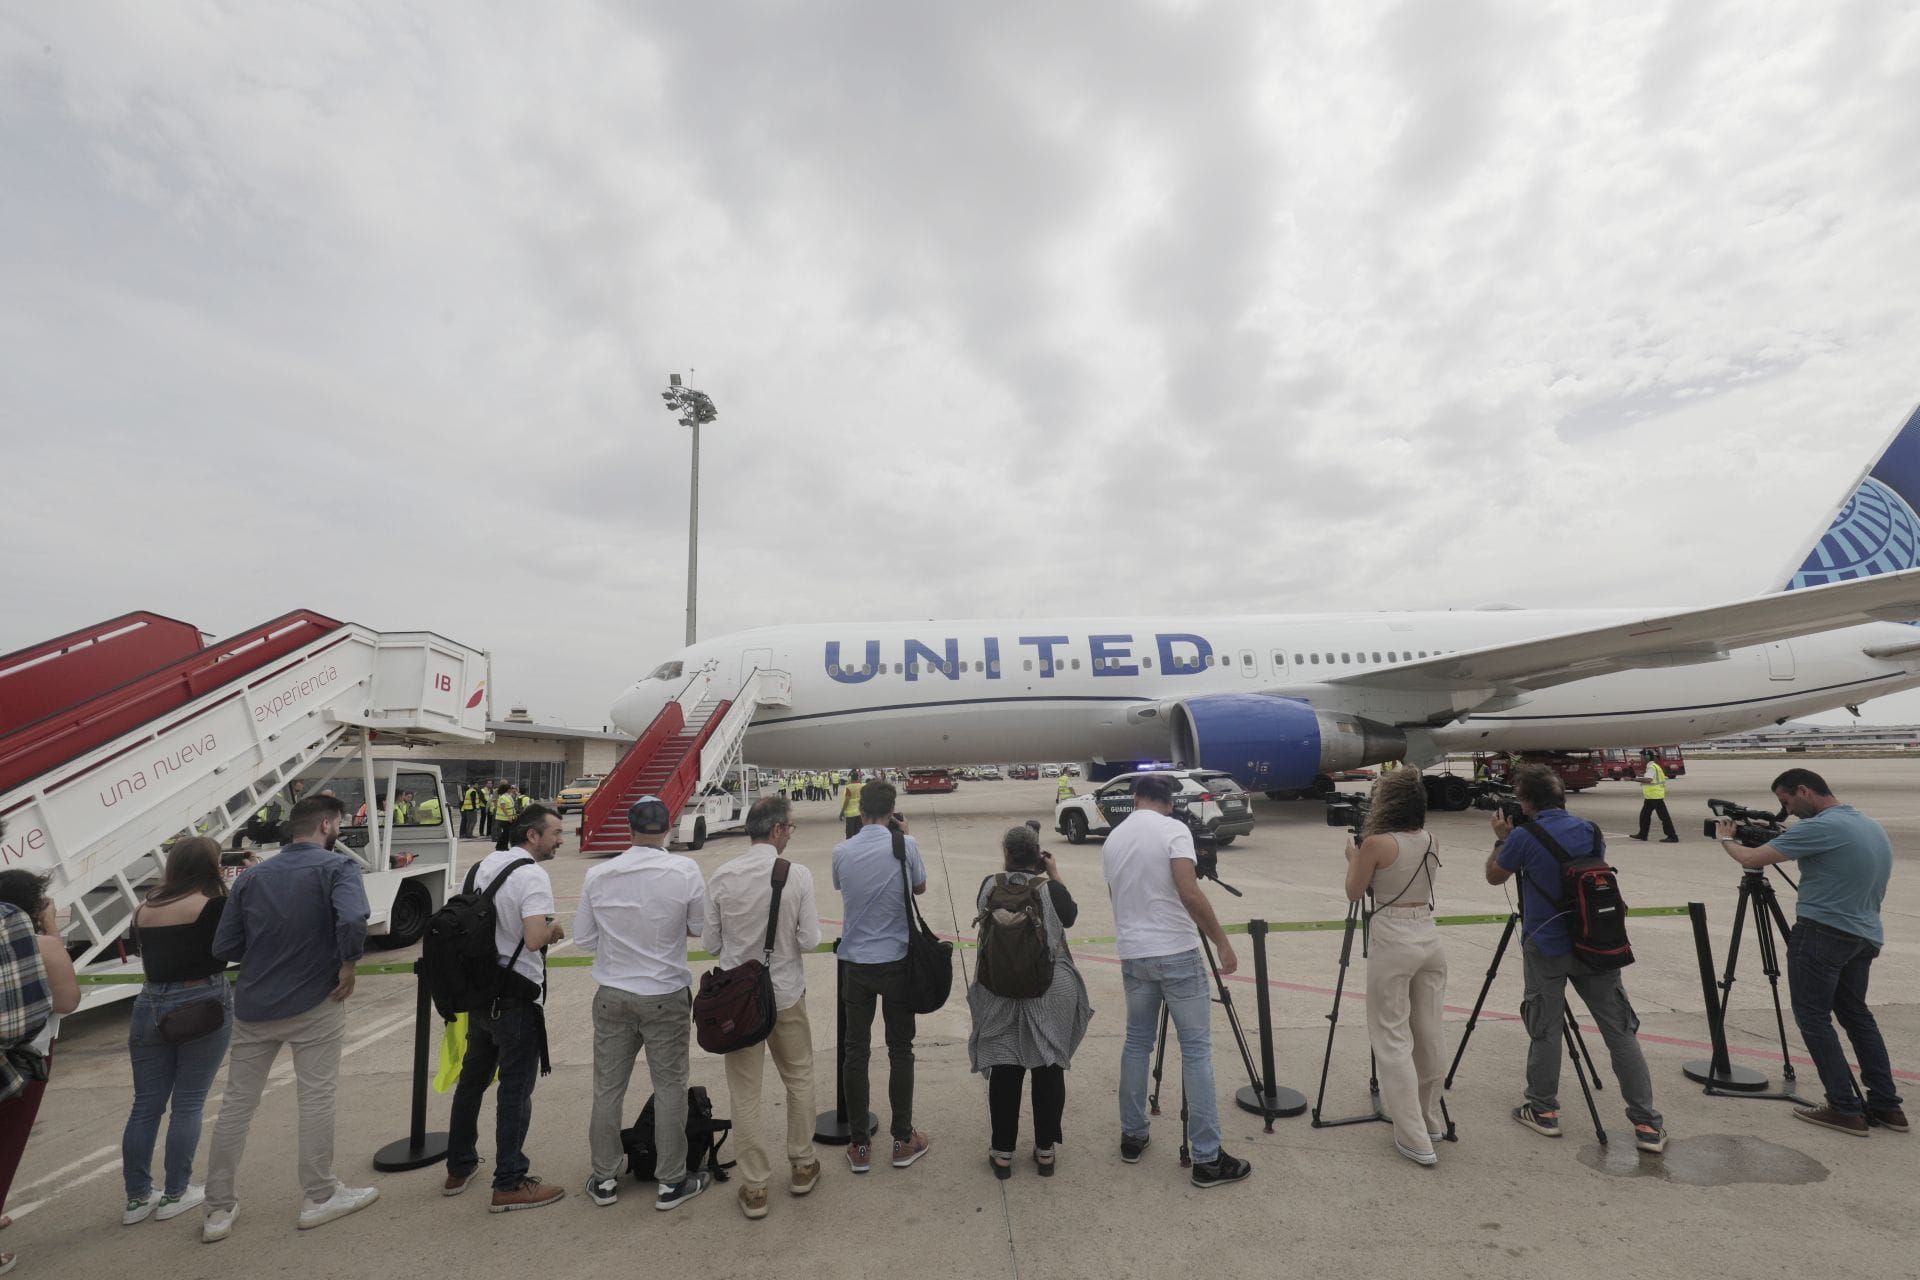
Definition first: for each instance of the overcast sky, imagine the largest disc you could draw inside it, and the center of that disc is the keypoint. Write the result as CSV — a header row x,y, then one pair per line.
x,y
1007,309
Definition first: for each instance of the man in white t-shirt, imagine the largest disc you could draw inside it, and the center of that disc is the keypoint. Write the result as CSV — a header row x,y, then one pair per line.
x,y
636,913
511,1035
1149,863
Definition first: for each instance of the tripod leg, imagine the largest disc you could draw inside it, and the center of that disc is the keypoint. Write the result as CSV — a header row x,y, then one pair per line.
x,y
1767,915
1186,1153
1333,1018
1159,1062
1580,1038
1499,951
1239,1034
1571,1029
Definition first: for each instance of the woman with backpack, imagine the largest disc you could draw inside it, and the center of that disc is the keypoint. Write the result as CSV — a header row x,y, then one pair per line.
x,y
178,1033
1029,1004
1406,965
41,986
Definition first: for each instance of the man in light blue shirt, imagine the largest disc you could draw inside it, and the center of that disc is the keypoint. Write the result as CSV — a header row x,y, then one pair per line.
x,y
1845,860
873,957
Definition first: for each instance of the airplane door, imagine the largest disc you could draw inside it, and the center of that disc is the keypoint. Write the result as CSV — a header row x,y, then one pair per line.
x,y
755,660
1780,660
1249,665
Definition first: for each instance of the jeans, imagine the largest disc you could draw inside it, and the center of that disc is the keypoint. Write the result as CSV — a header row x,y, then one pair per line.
x,y
1827,972
1049,1105
509,1043
623,1024
1181,982
315,1038
863,986
1542,1010
173,1077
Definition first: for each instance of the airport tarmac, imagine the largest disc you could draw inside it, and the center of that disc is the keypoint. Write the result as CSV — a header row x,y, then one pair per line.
x,y
1745,1190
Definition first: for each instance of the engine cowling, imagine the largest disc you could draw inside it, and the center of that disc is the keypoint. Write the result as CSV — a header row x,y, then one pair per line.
x,y
1270,743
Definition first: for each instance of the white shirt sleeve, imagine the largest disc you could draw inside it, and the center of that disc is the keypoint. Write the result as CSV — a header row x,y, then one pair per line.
x,y
696,905
586,933
806,911
712,936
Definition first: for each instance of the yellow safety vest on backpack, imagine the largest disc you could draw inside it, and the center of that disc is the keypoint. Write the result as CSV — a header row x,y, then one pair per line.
x,y
1655,788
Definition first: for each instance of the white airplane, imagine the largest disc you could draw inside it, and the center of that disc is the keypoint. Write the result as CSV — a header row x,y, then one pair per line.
x,y
1280,700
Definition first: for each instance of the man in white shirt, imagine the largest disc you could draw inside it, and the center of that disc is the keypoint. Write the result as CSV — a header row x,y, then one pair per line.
x,y
739,897
1149,863
636,913
511,1035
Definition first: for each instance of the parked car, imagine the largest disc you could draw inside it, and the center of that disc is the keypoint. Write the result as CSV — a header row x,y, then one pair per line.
x,y
922,782
1221,805
575,794
989,773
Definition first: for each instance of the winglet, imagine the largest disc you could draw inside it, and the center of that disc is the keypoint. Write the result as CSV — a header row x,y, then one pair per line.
x,y
1877,528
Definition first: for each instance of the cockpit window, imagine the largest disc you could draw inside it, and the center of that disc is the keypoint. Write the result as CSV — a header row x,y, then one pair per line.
x,y
667,671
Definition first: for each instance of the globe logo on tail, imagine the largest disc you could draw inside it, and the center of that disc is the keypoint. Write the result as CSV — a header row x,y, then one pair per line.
x,y
1876,532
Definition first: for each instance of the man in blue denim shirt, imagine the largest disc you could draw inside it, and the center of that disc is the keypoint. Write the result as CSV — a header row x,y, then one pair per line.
x,y
1550,964
1845,860
296,924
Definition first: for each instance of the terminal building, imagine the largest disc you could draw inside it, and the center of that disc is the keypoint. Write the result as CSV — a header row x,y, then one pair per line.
x,y
539,758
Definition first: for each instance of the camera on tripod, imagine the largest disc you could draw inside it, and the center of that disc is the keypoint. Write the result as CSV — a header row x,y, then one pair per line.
x,y
1206,845
1498,797
1348,809
1751,827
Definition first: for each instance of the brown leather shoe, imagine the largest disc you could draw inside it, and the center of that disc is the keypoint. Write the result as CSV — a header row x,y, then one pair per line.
x,y
1891,1118
1828,1118
530,1194
458,1182
803,1176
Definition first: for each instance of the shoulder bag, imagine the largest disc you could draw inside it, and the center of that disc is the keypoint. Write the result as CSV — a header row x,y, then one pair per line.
x,y
929,956
735,1008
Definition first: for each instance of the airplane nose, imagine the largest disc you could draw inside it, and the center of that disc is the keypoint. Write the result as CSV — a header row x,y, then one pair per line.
x,y
635,709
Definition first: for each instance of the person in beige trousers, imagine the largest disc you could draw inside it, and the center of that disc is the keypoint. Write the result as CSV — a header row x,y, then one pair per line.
x,y
1394,864
739,898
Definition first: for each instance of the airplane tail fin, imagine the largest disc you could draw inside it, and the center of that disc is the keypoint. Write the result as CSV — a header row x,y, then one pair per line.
x,y
1877,528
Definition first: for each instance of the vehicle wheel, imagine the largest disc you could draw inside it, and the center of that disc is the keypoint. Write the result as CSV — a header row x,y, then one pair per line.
x,y
699,833
1224,841
1323,785
1074,824
1452,794
408,921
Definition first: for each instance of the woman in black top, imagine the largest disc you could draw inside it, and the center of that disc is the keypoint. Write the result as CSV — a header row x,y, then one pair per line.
x,y
176,1042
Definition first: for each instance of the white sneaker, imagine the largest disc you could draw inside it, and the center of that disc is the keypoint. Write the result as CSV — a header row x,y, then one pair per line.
x,y
218,1224
343,1201
172,1208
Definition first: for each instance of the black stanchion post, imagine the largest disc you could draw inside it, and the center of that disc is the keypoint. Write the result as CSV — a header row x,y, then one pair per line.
x,y
1718,1072
419,1148
830,1127
1278,1101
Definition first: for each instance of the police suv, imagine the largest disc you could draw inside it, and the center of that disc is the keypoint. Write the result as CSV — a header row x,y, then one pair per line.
x,y
1215,799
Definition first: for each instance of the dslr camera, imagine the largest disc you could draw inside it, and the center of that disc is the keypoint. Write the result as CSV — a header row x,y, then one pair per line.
x,y
1348,809
1751,827
1498,797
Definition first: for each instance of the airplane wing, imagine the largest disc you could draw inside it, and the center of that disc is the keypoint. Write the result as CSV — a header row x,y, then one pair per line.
x,y
1662,640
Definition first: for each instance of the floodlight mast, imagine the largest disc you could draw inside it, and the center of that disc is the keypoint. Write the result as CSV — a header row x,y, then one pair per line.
x,y
692,408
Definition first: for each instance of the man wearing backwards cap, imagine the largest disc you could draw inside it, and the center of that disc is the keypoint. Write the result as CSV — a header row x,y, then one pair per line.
x,y
636,913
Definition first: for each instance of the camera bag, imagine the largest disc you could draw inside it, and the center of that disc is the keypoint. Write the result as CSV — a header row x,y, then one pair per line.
x,y
735,1008
929,956
1590,900
705,1136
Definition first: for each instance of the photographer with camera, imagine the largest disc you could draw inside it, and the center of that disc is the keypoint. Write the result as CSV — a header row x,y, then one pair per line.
x,y
1550,962
1845,861
1150,865
1406,966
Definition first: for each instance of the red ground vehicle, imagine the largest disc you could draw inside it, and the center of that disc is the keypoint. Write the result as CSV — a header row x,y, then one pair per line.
x,y
1578,770
1622,763
922,782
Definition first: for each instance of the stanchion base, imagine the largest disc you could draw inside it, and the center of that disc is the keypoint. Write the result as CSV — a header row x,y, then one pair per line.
x,y
1737,1079
1281,1101
401,1155
831,1130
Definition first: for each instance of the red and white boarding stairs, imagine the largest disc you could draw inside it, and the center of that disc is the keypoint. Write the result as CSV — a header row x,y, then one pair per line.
x,y
117,738
693,743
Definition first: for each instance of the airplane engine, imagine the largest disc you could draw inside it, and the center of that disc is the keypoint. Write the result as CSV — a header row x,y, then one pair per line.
x,y
1270,743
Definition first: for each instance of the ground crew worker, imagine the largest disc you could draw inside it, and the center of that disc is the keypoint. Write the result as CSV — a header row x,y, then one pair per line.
x,y
504,809
1063,790
850,805
1653,799
427,812
403,809
469,809
520,801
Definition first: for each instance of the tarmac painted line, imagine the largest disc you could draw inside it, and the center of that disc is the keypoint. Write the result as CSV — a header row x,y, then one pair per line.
x,y
65,1169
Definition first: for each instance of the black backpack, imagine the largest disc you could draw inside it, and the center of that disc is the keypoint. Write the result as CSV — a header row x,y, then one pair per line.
x,y
704,1136
1590,900
464,973
1014,960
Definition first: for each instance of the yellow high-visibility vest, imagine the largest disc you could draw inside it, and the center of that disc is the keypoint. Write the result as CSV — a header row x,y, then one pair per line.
x,y
850,799
470,800
503,806
428,812
1656,789
402,813
1064,790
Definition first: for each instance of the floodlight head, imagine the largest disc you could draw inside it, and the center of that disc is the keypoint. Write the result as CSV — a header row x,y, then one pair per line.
x,y
673,379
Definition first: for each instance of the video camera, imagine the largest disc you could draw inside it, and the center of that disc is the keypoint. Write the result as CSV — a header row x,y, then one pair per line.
x,y
1751,827
1498,797
1348,809
1206,846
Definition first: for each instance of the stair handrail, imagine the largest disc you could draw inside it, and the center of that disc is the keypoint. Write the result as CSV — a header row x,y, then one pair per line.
x,y
672,718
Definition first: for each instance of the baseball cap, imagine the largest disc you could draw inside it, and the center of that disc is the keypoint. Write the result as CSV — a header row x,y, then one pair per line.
x,y
649,816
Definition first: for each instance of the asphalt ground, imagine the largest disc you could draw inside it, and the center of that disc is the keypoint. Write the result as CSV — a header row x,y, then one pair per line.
x,y
1745,1189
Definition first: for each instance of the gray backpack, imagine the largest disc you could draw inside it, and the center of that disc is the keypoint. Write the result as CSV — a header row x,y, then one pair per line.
x,y
1015,960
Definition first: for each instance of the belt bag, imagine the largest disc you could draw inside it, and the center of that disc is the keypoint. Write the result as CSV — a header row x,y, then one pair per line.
x,y
735,1008
192,1020
929,956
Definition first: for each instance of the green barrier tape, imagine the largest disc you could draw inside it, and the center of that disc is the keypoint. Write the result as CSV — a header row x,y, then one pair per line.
x,y
826,948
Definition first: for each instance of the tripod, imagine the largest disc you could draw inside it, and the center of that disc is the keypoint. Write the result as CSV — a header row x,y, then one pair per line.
x,y
1719,1076
1239,1038
1569,1028
1356,920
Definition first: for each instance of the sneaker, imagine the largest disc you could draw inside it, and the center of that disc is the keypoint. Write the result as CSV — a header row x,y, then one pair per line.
x,y
672,1197
218,1224
753,1201
530,1194
1043,1161
1649,1139
603,1191
1132,1147
1001,1162
1828,1118
803,1177
457,1182
905,1152
859,1156
1424,1158
1220,1171
1891,1118
1545,1122
173,1206
137,1210
343,1201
